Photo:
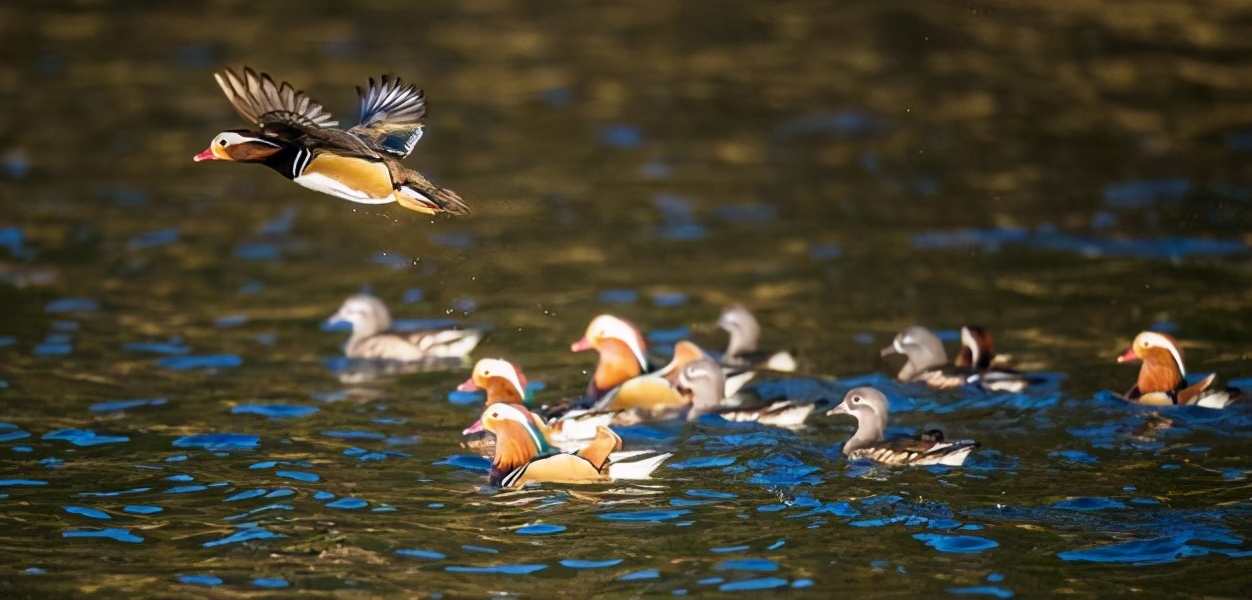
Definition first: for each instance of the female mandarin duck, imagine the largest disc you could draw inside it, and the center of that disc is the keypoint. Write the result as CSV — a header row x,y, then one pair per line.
x,y
870,408
1162,377
298,138
928,362
523,455
623,355
646,397
698,389
373,339
701,380
742,351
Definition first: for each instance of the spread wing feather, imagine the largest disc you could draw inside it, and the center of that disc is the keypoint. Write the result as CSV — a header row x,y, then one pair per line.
x,y
262,102
392,116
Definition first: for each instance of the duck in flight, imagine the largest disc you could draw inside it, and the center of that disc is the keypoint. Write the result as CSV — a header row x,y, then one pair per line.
x,y
297,137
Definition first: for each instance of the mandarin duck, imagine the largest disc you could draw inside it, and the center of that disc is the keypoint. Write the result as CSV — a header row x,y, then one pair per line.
x,y
927,360
990,371
504,383
928,363
1162,377
523,455
502,380
623,355
297,137
742,351
978,350
870,407
700,381
372,338
648,397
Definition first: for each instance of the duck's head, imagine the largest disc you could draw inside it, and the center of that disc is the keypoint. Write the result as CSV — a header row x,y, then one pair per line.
x,y
704,383
1156,350
742,326
685,352
608,329
867,404
240,145
512,422
366,313
502,380
921,346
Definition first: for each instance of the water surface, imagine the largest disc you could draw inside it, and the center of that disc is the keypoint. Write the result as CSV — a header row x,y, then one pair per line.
x,y
173,417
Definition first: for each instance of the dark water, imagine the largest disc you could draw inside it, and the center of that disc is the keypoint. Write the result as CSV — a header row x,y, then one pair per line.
x,y
1065,176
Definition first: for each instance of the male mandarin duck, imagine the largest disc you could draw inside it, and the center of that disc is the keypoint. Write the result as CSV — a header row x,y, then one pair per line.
x,y
870,407
523,455
505,383
991,371
1162,377
928,362
742,351
978,351
373,339
298,138
623,354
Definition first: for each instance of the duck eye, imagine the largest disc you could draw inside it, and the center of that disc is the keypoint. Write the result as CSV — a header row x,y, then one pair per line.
x,y
856,399
221,142
495,415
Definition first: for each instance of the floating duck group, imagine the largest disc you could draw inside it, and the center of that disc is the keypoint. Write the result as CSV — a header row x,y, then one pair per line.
x,y
573,441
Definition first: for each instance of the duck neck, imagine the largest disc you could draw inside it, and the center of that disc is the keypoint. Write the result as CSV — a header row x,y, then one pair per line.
x,y
617,364
501,391
290,161
867,433
516,446
1159,374
743,340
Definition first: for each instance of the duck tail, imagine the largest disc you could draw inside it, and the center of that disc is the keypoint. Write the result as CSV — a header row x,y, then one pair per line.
x,y
1216,399
640,469
954,454
425,197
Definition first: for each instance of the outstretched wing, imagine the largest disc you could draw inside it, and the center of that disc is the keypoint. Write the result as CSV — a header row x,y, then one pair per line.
x,y
392,116
262,102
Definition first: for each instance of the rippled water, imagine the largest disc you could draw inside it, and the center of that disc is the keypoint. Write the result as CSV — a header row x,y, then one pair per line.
x,y
173,413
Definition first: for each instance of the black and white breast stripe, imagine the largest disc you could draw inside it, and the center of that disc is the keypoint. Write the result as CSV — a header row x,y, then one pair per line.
x,y
300,161
511,478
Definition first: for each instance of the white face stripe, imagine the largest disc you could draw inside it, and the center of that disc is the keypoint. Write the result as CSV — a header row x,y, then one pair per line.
x,y
1156,339
231,137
